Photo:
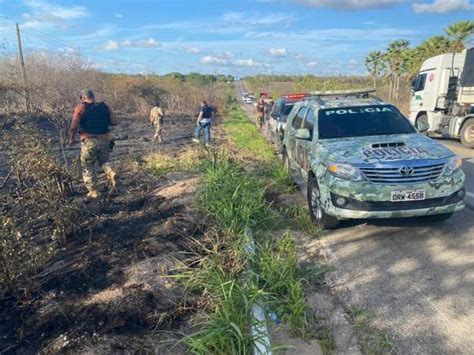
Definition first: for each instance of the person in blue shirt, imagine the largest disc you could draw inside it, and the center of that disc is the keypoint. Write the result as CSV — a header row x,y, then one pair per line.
x,y
204,121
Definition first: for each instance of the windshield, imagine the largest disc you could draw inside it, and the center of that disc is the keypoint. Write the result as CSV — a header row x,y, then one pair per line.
x,y
362,121
286,109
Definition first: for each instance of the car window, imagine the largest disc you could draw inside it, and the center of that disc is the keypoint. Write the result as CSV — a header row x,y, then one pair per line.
x,y
286,108
362,121
309,121
419,82
298,120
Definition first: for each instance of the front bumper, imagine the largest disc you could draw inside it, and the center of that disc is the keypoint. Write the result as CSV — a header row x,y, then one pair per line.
x,y
368,200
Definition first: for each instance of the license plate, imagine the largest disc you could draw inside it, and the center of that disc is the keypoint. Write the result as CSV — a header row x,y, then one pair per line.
x,y
408,195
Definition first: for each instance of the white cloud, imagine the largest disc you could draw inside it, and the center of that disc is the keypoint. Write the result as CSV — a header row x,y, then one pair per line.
x,y
277,52
312,64
350,4
300,56
193,50
118,15
443,6
228,23
225,61
112,45
352,63
251,63
146,43
214,60
335,34
44,13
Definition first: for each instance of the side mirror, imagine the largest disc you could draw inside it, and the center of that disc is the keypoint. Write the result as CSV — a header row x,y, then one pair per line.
x,y
303,133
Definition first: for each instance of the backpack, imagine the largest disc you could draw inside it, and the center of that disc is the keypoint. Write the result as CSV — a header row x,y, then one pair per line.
x,y
96,118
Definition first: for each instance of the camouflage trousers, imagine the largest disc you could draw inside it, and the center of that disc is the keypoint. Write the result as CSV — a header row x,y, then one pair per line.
x,y
95,152
158,125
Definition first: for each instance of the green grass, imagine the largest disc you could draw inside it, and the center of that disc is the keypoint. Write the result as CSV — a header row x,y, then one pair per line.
x,y
245,135
232,197
301,219
374,341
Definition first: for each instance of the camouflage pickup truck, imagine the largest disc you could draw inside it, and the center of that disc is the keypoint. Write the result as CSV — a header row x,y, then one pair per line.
x,y
359,157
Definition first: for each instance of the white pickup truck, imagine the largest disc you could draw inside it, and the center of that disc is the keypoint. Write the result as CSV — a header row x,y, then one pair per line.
x,y
442,100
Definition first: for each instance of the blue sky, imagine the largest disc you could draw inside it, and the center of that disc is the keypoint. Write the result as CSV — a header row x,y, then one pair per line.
x,y
322,37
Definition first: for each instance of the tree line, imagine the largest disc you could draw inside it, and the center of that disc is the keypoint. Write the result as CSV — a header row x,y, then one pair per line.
x,y
400,60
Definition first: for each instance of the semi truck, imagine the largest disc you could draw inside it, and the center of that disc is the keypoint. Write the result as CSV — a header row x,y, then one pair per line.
x,y
442,102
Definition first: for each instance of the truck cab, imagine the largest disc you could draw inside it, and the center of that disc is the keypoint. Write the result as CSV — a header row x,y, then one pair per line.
x,y
442,100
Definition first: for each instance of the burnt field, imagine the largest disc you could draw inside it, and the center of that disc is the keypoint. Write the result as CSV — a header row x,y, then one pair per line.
x,y
102,288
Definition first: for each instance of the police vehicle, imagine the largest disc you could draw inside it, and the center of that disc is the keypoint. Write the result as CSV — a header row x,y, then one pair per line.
x,y
359,157
279,115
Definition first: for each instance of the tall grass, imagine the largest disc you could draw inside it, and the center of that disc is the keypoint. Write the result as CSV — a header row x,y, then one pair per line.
x,y
230,279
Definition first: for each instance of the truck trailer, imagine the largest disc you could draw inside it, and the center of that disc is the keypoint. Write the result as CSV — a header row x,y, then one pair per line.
x,y
442,102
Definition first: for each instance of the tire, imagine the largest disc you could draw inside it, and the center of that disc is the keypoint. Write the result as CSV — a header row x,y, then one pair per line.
x,y
421,121
316,211
467,133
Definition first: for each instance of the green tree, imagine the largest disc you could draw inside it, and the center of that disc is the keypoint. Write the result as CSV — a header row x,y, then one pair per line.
x,y
459,33
374,63
393,56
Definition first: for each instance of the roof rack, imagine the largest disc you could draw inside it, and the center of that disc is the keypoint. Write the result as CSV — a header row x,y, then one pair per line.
x,y
341,93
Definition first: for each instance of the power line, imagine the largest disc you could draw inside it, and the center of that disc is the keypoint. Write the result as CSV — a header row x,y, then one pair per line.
x,y
60,43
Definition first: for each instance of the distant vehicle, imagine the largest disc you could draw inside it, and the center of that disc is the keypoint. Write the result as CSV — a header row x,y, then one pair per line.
x,y
443,97
359,157
278,116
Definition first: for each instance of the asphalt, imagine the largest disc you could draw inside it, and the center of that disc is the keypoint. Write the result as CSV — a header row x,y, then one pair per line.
x,y
415,276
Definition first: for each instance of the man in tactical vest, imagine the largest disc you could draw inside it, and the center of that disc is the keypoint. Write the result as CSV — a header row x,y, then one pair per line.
x,y
93,119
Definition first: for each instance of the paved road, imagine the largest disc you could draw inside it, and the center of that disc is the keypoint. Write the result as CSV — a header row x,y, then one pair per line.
x,y
416,277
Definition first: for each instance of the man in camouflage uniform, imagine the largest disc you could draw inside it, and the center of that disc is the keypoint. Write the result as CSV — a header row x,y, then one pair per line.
x,y
156,119
93,119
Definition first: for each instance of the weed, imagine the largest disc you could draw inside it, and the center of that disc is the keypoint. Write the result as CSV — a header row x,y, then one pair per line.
x,y
187,160
326,339
374,341
301,219
233,198
313,273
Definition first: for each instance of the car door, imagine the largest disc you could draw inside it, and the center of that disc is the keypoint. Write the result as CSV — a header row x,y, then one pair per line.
x,y
274,117
295,124
304,145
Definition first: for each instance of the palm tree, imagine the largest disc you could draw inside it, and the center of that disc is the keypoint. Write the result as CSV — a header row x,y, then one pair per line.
x,y
394,59
459,32
374,63
434,46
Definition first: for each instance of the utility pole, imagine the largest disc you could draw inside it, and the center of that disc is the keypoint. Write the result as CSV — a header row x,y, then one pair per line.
x,y
23,71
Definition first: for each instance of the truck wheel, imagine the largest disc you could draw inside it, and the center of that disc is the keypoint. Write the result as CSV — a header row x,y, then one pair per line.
x,y
422,124
467,133
316,211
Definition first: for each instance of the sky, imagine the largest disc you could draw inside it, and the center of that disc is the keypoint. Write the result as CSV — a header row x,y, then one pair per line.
x,y
238,37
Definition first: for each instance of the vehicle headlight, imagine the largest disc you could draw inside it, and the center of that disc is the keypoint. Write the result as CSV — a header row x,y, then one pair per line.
x,y
345,171
454,164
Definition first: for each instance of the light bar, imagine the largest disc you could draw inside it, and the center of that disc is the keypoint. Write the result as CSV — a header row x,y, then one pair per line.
x,y
342,92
